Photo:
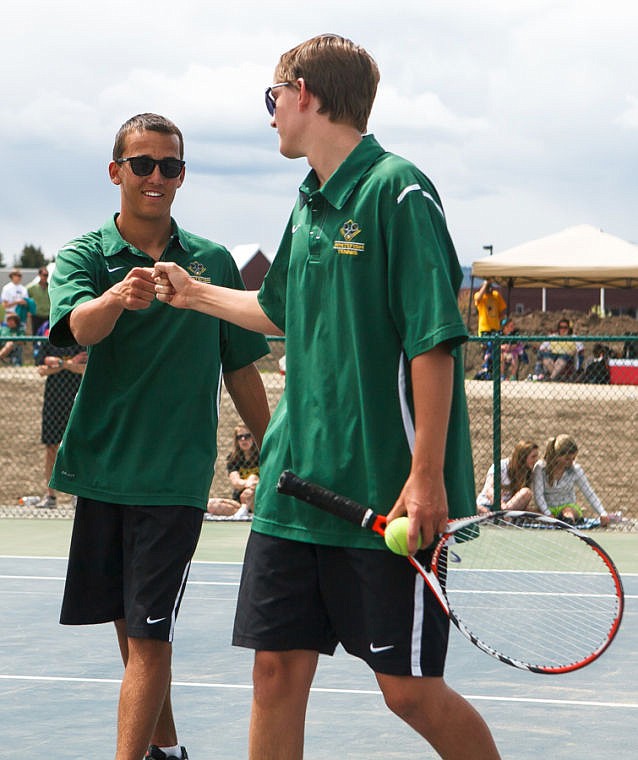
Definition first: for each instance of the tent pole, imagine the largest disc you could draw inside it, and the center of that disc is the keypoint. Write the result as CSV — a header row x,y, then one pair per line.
x,y
469,303
469,319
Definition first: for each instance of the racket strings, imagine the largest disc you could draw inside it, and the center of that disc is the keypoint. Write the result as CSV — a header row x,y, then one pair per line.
x,y
543,598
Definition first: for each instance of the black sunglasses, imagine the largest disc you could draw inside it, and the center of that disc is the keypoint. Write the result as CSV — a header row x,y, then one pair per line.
x,y
143,166
271,103
244,436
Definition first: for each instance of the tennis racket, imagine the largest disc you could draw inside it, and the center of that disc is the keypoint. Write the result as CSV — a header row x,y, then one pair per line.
x,y
527,589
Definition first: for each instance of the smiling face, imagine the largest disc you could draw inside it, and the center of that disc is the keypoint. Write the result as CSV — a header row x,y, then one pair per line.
x,y
147,198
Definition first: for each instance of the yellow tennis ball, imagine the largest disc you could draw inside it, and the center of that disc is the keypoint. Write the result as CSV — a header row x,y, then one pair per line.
x,y
396,536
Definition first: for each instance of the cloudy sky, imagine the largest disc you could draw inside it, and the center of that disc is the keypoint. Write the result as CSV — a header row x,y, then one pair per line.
x,y
524,113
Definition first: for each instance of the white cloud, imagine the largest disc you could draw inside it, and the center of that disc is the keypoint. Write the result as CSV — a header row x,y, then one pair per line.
x,y
629,117
523,114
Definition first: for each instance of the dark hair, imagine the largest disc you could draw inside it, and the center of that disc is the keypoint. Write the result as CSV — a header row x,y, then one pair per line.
x,y
143,122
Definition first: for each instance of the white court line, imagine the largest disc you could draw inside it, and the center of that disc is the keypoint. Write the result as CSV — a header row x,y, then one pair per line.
x,y
199,562
62,578
39,556
325,690
192,582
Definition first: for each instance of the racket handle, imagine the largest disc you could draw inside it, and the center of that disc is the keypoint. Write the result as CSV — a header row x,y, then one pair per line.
x,y
329,501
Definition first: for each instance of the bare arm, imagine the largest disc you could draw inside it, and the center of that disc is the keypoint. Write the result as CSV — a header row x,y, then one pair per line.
x,y
54,364
249,396
92,321
423,497
241,307
236,481
588,492
481,291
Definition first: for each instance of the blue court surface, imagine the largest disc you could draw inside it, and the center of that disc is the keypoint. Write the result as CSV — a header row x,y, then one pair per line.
x,y
59,685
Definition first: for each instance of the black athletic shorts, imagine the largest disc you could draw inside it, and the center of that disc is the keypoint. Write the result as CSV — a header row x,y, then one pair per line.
x,y
296,595
129,562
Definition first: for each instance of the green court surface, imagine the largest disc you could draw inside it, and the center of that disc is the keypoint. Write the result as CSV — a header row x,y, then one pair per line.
x,y
224,541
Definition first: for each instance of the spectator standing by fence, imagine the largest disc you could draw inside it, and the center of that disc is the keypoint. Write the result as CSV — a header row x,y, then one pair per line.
x,y
14,296
63,369
491,308
39,292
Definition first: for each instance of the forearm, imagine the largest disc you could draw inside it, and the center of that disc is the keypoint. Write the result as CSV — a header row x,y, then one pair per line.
x,y
240,307
247,391
236,481
92,321
590,494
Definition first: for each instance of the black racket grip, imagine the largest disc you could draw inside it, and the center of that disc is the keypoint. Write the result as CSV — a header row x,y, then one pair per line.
x,y
337,505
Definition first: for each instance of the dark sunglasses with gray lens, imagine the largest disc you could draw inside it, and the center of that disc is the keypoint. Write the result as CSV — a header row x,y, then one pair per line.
x,y
143,166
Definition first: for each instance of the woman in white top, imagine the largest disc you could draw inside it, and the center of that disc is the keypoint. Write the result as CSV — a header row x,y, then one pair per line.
x,y
554,482
516,475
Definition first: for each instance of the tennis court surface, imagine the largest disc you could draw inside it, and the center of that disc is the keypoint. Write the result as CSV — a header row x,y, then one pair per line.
x,y
59,685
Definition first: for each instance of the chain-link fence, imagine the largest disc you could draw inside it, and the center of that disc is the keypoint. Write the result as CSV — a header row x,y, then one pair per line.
x,y
592,398
535,387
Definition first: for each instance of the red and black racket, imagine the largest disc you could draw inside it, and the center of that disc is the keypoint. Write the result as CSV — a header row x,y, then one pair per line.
x,y
530,590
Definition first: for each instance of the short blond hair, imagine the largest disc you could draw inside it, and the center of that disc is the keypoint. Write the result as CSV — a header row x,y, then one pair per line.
x,y
340,73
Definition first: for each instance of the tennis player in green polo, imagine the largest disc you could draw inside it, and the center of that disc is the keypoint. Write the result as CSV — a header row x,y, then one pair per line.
x,y
364,287
140,445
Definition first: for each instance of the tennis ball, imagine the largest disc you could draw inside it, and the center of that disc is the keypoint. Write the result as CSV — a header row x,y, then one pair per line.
x,y
396,536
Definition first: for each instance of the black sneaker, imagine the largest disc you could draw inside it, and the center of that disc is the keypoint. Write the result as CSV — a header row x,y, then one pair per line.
x,y
155,753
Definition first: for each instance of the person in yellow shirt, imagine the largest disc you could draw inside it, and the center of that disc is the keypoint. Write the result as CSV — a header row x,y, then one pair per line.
x,y
491,308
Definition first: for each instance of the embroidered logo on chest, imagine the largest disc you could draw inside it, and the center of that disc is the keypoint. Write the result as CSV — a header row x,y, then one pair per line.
x,y
349,231
197,269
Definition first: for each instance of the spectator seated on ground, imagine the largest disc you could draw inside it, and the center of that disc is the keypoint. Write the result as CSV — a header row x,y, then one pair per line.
x,y
512,354
597,369
11,350
561,360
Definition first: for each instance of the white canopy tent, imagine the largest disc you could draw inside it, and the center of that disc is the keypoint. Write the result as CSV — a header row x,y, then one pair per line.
x,y
578,257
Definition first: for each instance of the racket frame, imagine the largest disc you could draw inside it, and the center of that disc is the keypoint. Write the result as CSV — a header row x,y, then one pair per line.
x,y
357,514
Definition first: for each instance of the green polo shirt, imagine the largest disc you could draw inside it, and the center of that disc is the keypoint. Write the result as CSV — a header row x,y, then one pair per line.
x,y
144,424
365,278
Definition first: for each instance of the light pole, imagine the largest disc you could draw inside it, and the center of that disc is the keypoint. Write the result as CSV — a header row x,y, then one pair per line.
x,y
489,248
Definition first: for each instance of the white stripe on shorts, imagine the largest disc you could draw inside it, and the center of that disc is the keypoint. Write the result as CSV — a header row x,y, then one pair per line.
x,y
417,626
180,594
